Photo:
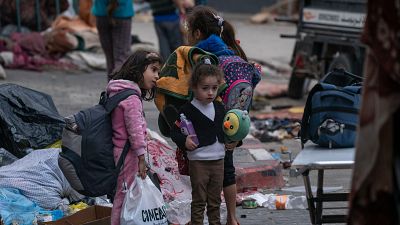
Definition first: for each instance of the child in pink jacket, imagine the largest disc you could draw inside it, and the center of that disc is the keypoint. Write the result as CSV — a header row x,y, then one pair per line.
x,y
140,73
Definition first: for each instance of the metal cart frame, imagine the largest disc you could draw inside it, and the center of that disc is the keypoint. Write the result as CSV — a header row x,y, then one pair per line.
x,y
321,159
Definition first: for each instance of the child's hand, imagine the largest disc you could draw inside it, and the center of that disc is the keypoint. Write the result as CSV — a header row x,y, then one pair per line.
x,y
142,167
189,144
231,145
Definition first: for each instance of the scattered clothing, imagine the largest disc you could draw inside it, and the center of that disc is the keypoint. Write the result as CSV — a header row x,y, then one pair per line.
x,y
16,208
6,157
39,178
28,51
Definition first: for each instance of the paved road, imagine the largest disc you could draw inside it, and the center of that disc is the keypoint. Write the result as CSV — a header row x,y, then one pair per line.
x,y
72,92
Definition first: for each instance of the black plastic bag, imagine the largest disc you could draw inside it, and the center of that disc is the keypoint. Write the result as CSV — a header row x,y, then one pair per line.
x,y
28,119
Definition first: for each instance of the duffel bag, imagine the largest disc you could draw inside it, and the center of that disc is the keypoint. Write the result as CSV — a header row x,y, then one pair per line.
x,y
331,114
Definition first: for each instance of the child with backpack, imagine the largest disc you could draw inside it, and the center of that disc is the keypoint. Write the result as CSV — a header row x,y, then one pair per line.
x,y
206,159
210,32
139,73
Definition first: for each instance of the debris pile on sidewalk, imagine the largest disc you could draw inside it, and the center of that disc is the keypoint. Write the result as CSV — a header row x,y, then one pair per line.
x,y
40,187
68,41
274,122
275,201
28,120
252,198
277,125
39,178
267,14
34,185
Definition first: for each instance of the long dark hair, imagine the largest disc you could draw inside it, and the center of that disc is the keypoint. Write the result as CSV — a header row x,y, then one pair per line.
x,y
205,19
134,67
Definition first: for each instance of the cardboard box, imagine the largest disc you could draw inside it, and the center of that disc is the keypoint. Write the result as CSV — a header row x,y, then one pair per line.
x,y
94,215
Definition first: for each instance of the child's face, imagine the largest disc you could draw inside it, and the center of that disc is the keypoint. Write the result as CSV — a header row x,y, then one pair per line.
x,y
206,90
150,76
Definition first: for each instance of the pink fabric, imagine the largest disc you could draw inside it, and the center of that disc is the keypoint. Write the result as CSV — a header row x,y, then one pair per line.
x,y
29,53
31,43
128,123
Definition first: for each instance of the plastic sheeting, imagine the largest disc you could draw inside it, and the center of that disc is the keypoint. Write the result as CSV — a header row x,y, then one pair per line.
x,y
28,119
161,158
39,178
16,208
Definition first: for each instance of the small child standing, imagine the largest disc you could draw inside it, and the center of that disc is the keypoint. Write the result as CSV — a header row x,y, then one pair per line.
x,y
206,160
140,73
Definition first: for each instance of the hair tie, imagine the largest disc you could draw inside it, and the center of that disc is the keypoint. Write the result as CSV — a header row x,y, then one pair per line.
x,y
220,20
152,54
220,23
207,61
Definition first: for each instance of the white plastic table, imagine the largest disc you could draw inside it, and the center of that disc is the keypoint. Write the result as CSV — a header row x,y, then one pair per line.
x,y
313,157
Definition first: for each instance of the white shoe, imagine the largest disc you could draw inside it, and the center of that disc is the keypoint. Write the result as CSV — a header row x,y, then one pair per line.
x,y
7,57
2,73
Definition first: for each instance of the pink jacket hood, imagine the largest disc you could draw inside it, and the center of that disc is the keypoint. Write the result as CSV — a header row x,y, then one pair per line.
x,y
115,86
128,121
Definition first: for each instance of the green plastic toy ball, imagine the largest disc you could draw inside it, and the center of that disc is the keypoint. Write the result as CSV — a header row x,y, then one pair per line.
x,y
236,125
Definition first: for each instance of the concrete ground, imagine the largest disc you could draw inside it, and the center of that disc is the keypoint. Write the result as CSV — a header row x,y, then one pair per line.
x,y
73,92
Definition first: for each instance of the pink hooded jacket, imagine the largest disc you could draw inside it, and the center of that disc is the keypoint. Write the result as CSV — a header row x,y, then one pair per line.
x,y
128,123
127,118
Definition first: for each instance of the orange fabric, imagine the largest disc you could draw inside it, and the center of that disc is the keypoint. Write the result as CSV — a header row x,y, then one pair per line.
x,y
85,14
75,25
176,73
280,202
60,41
159,100
183,66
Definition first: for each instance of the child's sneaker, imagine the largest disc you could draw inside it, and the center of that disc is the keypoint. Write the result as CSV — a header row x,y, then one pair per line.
x,y
2,73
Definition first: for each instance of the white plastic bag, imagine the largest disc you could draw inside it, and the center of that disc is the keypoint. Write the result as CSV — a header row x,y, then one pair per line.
x,y
143,204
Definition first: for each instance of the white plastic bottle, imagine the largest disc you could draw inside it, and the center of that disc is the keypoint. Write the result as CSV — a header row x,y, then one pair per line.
x,y
275,201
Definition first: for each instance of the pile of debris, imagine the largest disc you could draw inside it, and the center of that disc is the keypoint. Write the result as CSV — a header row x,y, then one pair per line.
x,y
67,41
282,7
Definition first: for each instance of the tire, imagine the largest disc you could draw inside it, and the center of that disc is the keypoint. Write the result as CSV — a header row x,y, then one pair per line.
x,y
344,61
297,87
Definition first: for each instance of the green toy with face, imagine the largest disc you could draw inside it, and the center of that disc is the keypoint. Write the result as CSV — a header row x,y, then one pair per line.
x,y
236,125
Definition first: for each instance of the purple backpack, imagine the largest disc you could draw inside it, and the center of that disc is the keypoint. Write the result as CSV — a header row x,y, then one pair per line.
x,y
241,77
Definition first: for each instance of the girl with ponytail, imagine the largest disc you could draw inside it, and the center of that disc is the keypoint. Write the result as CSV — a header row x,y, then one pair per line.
x,y
203,22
